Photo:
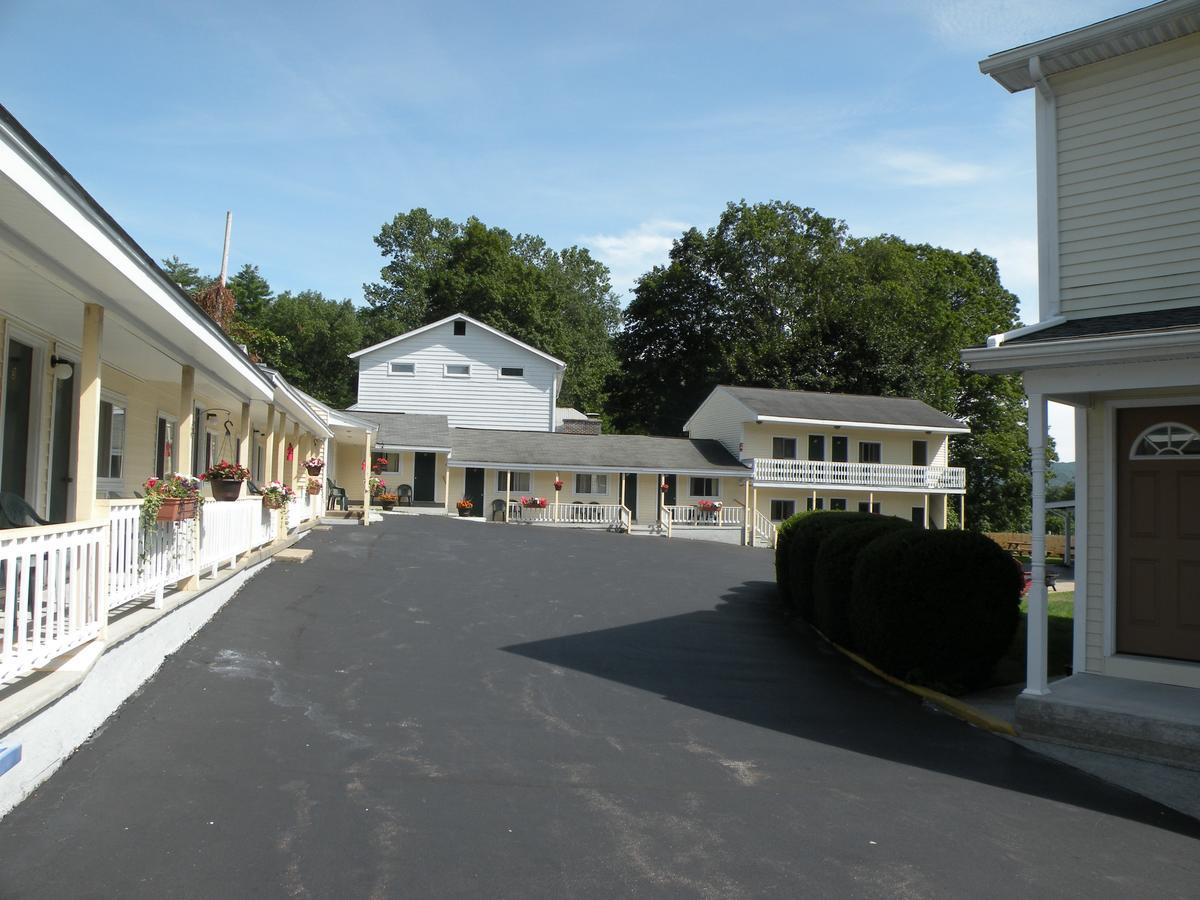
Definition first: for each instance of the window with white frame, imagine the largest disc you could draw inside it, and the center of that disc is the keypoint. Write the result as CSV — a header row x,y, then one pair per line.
x,y
870,452
591,484
402,368
393,462
458,370
706,487
512,372
783,448
520,482
837,505
782,509
110,451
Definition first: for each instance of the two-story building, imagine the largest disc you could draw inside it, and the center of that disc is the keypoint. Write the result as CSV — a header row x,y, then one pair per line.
x,y
1118,338
809,450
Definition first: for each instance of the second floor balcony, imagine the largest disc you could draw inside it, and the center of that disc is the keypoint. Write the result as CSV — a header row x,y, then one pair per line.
x,y
804,473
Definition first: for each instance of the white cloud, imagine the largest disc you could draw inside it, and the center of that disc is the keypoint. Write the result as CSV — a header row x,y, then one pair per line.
x,y
923,168
632,253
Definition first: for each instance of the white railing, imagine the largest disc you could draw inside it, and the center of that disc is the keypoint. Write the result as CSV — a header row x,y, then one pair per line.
x,y
665,519
862,475
566,513
305,506
764,529
728,516
146,565
229,529
53,582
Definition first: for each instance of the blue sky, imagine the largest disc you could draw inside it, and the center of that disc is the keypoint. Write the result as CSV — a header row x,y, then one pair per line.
x,y
611,125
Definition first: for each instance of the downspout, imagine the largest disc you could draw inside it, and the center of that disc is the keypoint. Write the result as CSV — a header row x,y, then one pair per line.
x,y
1046,121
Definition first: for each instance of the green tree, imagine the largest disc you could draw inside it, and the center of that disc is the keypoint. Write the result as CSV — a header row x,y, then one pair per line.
x,y
186,276
320,333
558,301
252,291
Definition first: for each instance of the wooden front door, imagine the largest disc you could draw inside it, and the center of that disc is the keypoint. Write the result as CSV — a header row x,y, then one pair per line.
x,y
424,477
1158,532
631,494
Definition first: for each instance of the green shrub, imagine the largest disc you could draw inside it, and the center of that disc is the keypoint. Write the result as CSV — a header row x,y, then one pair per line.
x,y
833,572
786,527
935,607
803,544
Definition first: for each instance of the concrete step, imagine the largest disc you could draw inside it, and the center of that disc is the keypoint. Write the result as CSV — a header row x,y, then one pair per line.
x,y
1157,722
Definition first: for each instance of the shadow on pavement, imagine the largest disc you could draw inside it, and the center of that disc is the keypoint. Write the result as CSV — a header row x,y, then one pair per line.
x,y
743,661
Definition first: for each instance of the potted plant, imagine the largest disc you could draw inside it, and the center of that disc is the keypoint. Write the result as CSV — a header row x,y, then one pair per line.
x,y
558,485
226,479
314,465
534,502
464,507
314,485
709,510
387,501
174,498
276,495
375,487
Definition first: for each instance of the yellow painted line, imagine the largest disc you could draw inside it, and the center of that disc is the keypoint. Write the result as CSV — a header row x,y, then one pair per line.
x,y
955,707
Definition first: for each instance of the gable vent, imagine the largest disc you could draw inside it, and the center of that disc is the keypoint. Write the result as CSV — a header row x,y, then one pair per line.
x,y
460,327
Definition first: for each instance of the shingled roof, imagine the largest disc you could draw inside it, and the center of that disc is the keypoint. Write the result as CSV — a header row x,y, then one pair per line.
x,y
583,452
409,431
858,409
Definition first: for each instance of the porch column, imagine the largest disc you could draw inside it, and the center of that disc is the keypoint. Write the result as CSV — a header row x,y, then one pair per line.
x,y
280,446
87,425
748,525
925,499
1068,515
187,418
621,489
368,444
871,502
268,474
962,512
507,491
244,447
945,511
753,509
446,487
557,479
295,452
1035,677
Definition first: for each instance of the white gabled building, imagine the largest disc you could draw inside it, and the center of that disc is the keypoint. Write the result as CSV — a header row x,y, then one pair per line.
x,y
458,367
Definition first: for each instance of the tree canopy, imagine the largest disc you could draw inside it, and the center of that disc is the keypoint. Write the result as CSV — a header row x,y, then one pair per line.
x,y
560,301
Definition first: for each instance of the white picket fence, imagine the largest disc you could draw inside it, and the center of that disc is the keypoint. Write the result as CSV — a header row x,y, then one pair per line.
x,y
140,565
726,516
53,581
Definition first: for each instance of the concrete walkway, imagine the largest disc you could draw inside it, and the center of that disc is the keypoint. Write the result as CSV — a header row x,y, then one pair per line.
x,y
430,708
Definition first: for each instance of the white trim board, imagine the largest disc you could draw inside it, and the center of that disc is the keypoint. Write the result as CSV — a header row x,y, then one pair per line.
x,y
465,318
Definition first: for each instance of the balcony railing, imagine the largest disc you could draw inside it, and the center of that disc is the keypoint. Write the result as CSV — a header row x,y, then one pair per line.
x,y
726,516
886,476
606,514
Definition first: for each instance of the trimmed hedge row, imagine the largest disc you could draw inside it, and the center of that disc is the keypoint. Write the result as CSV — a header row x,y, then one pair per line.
x,y
932,607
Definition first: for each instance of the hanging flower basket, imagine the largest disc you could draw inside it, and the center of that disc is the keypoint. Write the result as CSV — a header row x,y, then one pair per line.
x,y
226,479
225,489
314,465
176,509
314,486
276,495
558,485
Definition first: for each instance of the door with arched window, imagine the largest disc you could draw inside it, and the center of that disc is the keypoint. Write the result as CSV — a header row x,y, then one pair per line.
x,y
1158,532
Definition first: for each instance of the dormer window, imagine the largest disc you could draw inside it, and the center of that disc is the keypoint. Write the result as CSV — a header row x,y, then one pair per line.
x,y
402,368
460,327
458,370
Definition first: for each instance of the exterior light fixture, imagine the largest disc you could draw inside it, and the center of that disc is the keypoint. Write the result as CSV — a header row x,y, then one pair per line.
x,y
62,369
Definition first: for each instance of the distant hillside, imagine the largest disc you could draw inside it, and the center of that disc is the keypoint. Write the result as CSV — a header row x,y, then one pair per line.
x,y
1060,473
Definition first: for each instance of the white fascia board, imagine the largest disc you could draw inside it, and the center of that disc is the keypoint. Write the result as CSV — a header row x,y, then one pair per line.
x,y
879,426
828,488
408,334
1103,349
416,448
687,426
615,470
297,409
46,187
997,340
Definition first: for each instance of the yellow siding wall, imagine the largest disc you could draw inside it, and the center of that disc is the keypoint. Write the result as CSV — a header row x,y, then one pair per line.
x,y
896,446
892,504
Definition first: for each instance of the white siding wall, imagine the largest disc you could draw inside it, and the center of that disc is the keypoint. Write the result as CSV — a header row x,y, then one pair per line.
x,y
484,400
720,417
1129,181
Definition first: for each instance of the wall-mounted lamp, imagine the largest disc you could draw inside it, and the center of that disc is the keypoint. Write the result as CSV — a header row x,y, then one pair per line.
x,y
62,369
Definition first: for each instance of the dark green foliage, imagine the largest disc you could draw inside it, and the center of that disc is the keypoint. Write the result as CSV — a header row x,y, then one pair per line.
x,y
937,608
833,573
785,530
803,546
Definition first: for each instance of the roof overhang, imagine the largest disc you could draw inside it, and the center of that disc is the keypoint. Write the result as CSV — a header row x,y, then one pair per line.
x,y
416,448
616,470
465,318
881,426
1178,344
297,409
1110,38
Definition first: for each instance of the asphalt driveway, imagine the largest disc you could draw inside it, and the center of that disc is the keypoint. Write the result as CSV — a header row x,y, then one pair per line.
x,y
432,708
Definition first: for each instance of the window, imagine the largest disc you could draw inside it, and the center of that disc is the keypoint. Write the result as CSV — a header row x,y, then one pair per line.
x,y
458,370
918,516
841,448
820,504
164,447
512,372
783,448
869,452
706,487
520,482
402,368
837,505
393,461
1166,440
259,461
920,455
816,447
110,449
460,327
876,508
591,484
782,509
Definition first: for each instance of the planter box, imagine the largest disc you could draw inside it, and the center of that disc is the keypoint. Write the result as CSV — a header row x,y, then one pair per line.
x,y
274,502
225,489
177,509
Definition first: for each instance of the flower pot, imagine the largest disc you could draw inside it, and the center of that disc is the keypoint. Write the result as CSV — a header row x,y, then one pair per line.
x,y
225,489
387,506
273,502
177,509
314,470
463,513
314,487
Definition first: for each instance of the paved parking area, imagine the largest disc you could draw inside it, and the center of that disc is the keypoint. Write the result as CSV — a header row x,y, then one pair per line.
x,y
431,708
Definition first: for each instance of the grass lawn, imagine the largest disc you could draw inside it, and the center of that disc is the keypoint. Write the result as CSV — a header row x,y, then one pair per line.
x,y
1011,668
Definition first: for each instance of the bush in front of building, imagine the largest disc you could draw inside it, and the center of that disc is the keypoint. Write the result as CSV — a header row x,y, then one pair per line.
x,y
833,573
937,608
804,544
782,538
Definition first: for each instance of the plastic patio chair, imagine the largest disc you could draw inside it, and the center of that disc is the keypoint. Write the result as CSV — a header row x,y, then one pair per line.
x,y
16,513
404,494
336,495
497,510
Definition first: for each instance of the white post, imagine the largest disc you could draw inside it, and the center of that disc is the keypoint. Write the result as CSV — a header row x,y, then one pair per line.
x,y
1037,624
507,491
446,487
962,512
367,445
1068,515
557,479
871,502
925,497
268,474
244,448
87,424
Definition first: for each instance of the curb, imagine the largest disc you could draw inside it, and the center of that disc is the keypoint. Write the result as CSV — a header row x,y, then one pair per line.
x,y
955,707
